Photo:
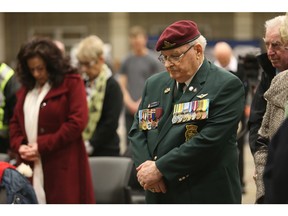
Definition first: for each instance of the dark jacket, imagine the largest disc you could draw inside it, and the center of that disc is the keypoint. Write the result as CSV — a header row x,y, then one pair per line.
x,y
105,139
275,173
258,106
198,158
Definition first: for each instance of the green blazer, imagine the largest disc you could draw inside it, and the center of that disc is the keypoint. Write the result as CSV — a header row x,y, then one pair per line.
x,y
198,158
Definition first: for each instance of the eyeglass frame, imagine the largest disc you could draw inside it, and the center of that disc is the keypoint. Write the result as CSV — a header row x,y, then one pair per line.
x,y
163,59
87,64
275,45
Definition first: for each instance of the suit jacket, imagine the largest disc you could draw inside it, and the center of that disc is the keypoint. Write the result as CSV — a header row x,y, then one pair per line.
x,y
62,117
202,168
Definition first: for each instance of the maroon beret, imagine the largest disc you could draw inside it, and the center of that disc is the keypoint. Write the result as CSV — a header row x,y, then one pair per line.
x,y
177,34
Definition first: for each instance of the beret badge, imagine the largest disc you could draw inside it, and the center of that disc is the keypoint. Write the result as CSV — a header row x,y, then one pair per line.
x,y
168,45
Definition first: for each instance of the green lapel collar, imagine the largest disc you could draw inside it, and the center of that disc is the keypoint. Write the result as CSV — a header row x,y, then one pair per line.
x,y
196,83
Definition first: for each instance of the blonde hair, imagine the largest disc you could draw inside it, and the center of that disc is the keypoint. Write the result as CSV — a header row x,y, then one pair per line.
x,y
137,30
90,48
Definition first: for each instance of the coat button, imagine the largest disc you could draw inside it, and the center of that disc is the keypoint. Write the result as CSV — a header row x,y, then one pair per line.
x,y
43,104
42,130
155,158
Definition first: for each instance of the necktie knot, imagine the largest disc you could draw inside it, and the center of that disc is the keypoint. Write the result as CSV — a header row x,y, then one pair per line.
x,y
181,87
179,91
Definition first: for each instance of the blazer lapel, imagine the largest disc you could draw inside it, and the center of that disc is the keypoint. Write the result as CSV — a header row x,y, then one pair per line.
x,y
194,88
196,84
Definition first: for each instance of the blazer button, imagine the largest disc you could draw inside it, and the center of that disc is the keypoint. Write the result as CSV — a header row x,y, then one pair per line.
x,y
155,158
42,130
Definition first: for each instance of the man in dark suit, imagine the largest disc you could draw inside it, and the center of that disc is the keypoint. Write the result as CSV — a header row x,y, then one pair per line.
x,y
184,134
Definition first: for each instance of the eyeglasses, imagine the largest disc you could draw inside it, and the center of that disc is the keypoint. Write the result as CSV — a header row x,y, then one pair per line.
x,y
173,59
87,64
274,45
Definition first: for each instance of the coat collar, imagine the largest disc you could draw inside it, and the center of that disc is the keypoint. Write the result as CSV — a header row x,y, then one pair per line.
x,y
54,91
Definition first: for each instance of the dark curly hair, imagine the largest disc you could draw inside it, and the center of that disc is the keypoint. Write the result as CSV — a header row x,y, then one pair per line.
x,y
56,64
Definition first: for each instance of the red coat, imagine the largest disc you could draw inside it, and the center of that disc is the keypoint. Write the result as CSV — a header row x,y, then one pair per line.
x,y
63,116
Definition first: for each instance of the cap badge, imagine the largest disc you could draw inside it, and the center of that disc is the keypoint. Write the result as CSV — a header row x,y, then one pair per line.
x,y
168,45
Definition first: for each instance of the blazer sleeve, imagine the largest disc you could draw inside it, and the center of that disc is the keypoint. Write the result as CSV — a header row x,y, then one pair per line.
x,y
140,151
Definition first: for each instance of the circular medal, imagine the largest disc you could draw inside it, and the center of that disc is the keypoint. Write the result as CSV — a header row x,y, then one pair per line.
x,y
174,119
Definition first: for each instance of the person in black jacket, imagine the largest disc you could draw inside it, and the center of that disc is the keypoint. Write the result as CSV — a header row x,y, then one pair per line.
x,y
275,173
273,62
105,99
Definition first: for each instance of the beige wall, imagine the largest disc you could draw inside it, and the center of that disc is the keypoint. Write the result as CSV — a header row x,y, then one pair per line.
x,y
112,27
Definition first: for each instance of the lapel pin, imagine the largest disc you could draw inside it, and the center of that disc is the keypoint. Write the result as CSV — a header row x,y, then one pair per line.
x,y
195,90
167,90
191,88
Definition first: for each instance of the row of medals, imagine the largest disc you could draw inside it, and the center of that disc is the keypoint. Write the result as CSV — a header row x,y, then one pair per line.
x,y
194,110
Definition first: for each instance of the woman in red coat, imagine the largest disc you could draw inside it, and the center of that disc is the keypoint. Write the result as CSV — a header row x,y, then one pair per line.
x,y
50,116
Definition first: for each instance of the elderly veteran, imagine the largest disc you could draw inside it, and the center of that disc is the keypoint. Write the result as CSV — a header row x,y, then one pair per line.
x,y
184,134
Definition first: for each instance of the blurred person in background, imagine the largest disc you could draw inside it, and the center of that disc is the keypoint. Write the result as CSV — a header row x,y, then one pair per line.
x,y
273,62
140,64
104,97
8,88
46,128
61,46
225,58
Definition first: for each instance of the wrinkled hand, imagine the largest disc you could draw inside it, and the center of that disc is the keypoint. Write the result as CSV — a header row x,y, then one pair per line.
x,y
29,152
158,187
149,176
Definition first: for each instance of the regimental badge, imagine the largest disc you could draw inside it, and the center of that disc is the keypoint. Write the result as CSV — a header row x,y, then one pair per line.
x,y
167,90
191,131
168,45
202,95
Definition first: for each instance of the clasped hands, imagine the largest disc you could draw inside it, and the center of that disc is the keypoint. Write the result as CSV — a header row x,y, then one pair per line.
x,y
29,152
150,178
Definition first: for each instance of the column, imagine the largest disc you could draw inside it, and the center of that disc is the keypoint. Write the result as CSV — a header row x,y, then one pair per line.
x,y
2,37
243,23
119,30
